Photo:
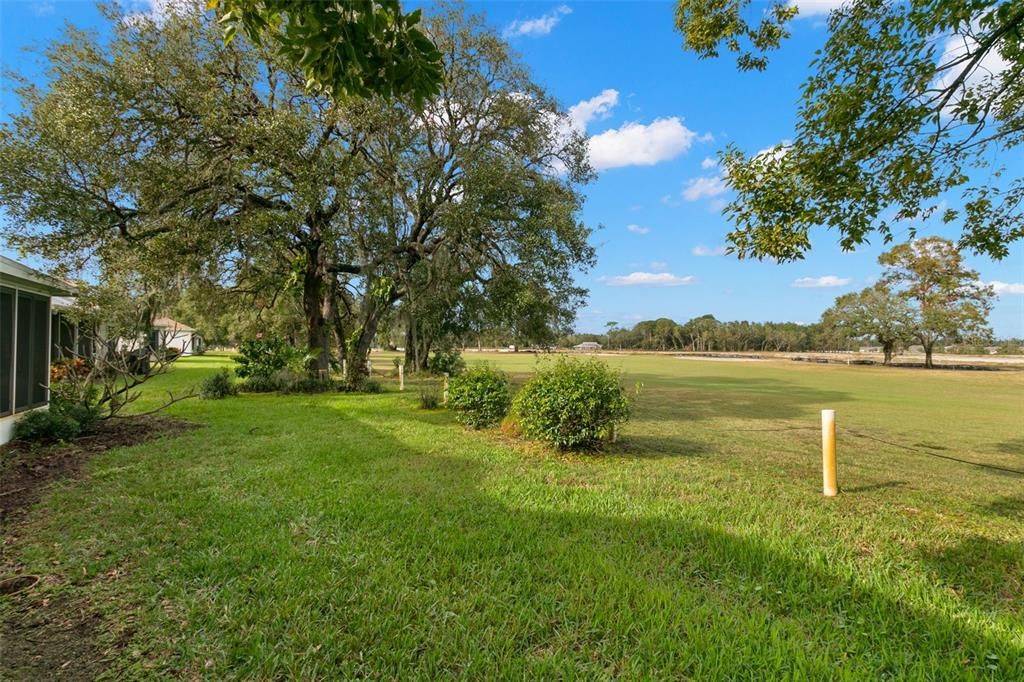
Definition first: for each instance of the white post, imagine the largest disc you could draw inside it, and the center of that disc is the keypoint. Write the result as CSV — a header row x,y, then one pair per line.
x,y
830,487
401,377
369,366
344,366
615,433
445,395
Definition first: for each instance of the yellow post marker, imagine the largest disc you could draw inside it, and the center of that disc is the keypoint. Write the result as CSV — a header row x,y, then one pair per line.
x,y
344,367
828,452
445,397
401,377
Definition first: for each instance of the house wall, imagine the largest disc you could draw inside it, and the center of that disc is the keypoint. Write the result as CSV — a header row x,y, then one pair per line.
x,y
8,419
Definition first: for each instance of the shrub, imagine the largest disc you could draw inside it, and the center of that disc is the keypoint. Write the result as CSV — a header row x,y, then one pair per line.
x,y
263,358
46,426
309,385
447,362
572,404
364,385
430,396
217,386
76,399
480,396
258,383
370,385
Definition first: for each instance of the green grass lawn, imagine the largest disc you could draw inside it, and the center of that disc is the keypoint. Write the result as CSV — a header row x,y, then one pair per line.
x,y
334,536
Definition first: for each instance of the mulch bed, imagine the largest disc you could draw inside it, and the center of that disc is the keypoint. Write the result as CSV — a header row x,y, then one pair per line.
x,y
55,637
27,469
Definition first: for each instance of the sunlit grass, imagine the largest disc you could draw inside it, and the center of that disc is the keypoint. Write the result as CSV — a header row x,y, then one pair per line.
x,y
332,536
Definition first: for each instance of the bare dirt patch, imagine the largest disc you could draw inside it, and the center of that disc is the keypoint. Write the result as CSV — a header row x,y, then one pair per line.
x,y
26,469
44,635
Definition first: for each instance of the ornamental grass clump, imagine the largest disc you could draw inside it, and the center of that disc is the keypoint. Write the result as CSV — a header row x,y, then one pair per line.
x,y
572,404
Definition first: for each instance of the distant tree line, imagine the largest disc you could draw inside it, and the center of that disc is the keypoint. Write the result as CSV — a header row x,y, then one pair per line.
x,y
926,297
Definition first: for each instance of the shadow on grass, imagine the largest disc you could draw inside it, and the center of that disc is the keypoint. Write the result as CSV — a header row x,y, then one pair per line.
x,y
989,573
704,397
1008,506
1014,446
361,554
870,487
640,446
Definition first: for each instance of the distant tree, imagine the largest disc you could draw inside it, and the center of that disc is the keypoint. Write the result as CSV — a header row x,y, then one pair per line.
x,y
344,47
877,312
947,299
907,101
609,327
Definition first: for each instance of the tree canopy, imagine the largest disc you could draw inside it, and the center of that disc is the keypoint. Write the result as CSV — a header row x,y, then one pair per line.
x,y
907,102
946,298
344,47
168,149
876,312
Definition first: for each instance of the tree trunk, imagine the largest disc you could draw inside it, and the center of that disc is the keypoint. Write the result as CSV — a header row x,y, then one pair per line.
x,y
315,301
358,354
928,347
887,353
317,337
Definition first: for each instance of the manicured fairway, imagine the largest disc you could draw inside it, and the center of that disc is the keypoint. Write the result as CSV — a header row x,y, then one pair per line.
x,y
334,536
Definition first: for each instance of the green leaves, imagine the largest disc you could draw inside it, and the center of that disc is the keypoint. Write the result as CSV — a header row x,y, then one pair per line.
x,y
908,101
948,300
480,396
573,404
356,48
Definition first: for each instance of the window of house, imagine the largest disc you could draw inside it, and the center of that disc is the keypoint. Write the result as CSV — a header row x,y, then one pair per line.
x,y
31,351
6,350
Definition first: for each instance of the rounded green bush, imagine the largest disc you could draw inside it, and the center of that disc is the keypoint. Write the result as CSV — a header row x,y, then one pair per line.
x,y
448,362
480,396
573,404
46,426
217,386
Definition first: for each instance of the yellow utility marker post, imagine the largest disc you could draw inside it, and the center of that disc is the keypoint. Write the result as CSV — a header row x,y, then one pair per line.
x,y
445,396
401,377
828,453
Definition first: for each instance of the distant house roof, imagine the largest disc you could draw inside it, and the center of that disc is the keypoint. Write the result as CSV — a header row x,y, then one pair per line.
x,y
587,345
173,325
14,274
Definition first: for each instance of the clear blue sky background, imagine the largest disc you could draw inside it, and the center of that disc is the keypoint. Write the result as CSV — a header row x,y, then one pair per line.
x,y
668,114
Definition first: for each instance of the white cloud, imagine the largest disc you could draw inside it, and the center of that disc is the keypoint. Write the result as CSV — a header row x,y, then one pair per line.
x,y
637,144
669,200
717,205
986,73
820,282
157,11
658,265
637,229
708,163
42,8
810,8
1007,287
654,279
704,188
701,250
539,26
776,152
595,108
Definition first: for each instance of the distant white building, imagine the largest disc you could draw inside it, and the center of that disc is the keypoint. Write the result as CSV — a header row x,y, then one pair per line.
x,y
173,335
26,324
587,347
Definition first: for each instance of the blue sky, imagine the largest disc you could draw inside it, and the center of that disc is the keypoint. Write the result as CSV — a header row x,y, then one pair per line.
x,y
657,117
